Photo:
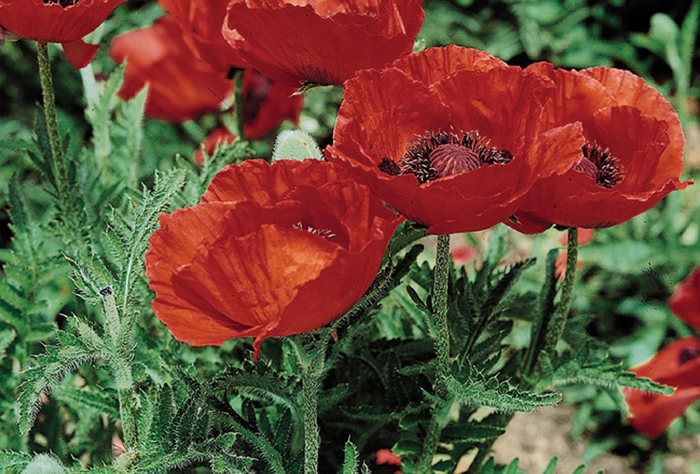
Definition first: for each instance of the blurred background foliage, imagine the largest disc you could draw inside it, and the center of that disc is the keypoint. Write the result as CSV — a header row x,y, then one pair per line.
x,y
629,271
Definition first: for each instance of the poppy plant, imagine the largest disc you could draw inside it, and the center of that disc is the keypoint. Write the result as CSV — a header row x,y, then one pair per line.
x,y
58,21
321,42
631,157
271,250
447,137
181,87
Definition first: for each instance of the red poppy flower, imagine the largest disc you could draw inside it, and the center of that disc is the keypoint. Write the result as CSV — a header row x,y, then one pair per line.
x,y
200,23
272,250
58,21
685,301
676,365
447,137
385,456
217,137
266,104
181,87
631,158
322,42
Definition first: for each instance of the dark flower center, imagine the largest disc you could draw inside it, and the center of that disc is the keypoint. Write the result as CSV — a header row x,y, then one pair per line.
x,y
599,165
63,3
687,355
325,233
436,155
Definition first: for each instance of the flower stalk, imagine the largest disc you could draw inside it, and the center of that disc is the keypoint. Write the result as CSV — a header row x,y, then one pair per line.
x,y
51,116
238,109
311,360
441,340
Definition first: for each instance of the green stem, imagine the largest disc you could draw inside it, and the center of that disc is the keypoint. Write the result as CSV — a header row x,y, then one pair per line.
x,y
558,323
50,109
238,109
311,361
442,350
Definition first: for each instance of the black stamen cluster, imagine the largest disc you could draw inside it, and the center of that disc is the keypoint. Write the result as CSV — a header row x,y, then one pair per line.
x,y
609,169
63,3
416,160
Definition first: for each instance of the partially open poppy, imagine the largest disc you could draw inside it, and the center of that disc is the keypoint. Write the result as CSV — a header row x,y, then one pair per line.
x,y
288,249
632,155
676,365
58,21
201,24
181,87
685,301
448,137
322,42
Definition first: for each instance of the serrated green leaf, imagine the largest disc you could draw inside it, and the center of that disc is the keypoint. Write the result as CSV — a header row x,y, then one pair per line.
x,y
14,459
551,466
472,388
470,432
93,398
350,458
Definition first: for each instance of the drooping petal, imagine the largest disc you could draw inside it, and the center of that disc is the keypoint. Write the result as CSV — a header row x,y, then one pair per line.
x,y
80,53
676,365
685,301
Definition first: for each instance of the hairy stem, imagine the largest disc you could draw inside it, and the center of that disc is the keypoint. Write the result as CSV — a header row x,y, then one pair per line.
x,y
50,115
311,360
558,322
238,109
442,350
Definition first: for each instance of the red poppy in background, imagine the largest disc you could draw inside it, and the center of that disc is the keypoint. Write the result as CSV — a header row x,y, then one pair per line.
x,y
181,87
676,365
321,42
217,137
632,155
685,301
201,24
287,250
448,137
58,21
385,456
266,104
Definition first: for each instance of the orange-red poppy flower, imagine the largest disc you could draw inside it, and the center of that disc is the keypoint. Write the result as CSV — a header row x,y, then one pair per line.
x,y
385,456
201,24
266,104
218,136
322,42
272,250
58,21
676,365
685,301
181,87
631,158
448,137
